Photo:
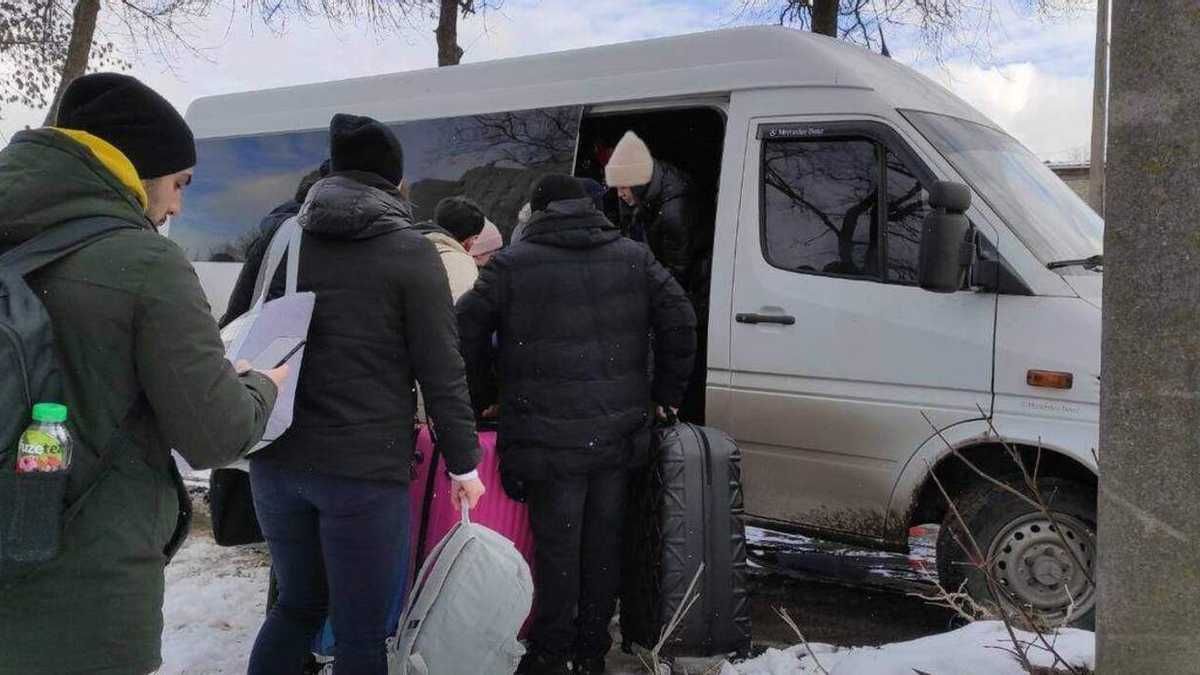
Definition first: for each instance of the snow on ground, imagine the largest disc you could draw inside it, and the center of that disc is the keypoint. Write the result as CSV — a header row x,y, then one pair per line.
x,y
214,606
976,648
216,597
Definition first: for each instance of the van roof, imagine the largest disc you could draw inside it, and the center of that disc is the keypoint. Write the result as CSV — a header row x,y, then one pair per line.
x,y
713,63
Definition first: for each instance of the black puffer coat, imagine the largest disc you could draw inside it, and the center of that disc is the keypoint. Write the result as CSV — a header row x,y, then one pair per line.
x,y
574,304
383,317
665,218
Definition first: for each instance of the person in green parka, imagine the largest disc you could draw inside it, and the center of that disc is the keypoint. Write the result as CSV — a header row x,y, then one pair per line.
x,y
144,369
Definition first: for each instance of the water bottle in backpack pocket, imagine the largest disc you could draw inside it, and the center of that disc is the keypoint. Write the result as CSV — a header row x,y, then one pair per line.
x,y
35,460
33,484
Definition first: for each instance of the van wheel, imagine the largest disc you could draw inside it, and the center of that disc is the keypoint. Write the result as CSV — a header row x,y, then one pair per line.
x,y
1035,560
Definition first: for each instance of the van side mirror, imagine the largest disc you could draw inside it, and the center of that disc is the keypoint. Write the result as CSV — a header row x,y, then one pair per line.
x,y
946,239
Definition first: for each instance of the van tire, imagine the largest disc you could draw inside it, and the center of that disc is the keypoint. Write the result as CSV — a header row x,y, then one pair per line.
x,y
1026,557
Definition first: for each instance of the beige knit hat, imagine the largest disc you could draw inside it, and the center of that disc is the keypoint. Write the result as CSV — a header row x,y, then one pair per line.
x,y
631,164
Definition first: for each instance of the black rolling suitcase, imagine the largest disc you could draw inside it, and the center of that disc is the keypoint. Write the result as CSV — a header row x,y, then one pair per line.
x,y
686,509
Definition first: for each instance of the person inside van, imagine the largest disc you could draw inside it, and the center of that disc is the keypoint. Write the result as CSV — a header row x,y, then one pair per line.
x,y
660,208
243,290
143,369
332,493
657,207
575,303
457,222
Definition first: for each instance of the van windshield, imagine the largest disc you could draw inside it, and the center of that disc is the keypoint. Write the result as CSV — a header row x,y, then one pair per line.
x,y
1045,214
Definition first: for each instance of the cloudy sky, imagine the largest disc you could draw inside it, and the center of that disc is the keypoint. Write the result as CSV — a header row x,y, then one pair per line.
x,y
1037,82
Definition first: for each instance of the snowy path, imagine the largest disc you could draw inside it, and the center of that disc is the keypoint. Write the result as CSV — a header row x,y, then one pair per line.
x,y
216,598
214,607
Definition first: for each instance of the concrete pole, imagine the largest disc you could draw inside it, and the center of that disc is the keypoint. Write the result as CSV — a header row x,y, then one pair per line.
x,y
1099,110
1149,531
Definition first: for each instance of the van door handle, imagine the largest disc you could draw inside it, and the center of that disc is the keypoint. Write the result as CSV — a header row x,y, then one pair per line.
x,y
781,319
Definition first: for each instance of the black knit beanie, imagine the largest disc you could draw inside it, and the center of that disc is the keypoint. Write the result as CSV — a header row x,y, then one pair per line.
x,y
363,144
459,216
132,117
555,187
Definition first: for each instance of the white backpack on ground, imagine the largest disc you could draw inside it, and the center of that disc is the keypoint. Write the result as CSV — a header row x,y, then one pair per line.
x,y
466,607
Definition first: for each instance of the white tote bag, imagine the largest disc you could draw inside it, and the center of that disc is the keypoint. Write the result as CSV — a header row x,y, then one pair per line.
x,y
275,331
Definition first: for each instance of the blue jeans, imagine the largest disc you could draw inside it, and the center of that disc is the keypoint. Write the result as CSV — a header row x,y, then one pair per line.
x,y
338,546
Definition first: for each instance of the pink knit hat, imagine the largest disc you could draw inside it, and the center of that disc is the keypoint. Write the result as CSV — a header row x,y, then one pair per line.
x,y
488,241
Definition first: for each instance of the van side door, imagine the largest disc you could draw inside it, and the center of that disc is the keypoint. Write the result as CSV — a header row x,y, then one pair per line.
x,y
836,354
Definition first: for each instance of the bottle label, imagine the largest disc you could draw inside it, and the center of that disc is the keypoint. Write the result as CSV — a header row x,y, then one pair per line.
x,y
39,452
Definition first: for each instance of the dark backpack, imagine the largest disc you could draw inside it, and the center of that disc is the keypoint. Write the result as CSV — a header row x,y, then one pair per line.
x,y
26,340
30,363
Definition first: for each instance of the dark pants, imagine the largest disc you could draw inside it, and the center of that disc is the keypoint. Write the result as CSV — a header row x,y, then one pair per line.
x,y
577,523
334,541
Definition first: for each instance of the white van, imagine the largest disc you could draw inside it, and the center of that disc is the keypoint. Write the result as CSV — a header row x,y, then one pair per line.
x,y
813,164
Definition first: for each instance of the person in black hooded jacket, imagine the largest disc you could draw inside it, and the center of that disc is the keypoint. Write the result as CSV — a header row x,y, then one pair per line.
x,y
574,303
331,494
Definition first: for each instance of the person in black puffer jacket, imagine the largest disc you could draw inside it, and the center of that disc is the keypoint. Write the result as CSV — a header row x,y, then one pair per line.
x,y
574,304
331,493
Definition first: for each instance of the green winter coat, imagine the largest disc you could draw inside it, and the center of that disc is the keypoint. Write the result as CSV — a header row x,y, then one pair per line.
x,y
145,372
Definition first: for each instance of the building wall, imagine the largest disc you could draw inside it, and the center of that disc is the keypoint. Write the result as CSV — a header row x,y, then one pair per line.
x,y
1075,176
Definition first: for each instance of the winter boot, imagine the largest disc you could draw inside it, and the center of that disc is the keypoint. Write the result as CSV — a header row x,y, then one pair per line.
x,y
535,663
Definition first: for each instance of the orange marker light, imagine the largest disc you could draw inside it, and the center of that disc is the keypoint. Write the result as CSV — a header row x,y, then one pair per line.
x,y
1049,379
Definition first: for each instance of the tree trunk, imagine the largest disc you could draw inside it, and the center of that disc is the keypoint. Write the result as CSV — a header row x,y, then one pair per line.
x,y
83,28
1099,110
1149,535
825,17
449,53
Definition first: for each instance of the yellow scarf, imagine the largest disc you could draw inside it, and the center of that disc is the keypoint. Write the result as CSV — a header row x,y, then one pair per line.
x,y
113,159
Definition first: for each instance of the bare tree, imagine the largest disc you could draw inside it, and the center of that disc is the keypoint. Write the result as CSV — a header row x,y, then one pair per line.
x,y
943,25
45,44
37,41
449,51
154,24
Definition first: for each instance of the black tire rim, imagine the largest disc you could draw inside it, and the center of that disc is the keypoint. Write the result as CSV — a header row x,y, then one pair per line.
x,y
1037,562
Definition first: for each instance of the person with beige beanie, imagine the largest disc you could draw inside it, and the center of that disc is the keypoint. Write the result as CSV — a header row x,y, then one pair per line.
x,y
657,207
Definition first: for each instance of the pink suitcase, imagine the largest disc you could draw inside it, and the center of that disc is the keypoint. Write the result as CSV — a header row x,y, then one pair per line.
x,y
496,510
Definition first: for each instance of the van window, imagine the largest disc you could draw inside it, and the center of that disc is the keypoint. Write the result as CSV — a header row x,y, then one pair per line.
x,y
906,210
841,206
491,158
819,198
1045,214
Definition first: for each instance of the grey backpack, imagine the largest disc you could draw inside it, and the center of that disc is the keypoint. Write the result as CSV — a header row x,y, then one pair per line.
x,y
467,605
